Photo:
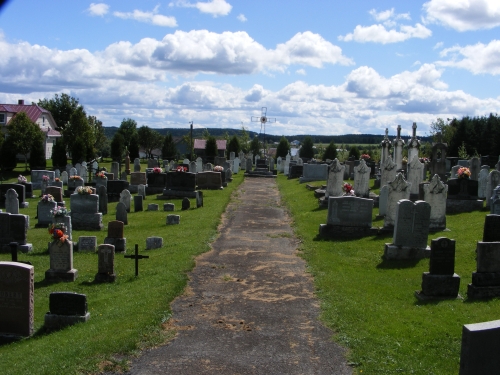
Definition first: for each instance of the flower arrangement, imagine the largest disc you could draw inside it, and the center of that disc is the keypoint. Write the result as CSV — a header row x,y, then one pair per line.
x,y
57,232
45,178
101,174
347,188
424,160
59,211
21,179
84,190
47,198
463,172
218,168
75,178
157,170
405,160
57,179
365,157
181,168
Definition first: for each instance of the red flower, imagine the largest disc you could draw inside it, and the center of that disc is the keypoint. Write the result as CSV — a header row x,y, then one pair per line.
x,y
59,233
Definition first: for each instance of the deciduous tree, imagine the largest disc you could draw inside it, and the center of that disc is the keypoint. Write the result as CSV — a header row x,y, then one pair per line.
x,y
61,107
169,150
149,139
22,134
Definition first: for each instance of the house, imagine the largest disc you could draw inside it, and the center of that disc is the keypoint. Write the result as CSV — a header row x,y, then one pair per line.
x,y
199,147
38,115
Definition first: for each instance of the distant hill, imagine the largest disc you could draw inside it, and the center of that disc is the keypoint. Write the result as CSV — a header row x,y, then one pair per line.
x,y
219,133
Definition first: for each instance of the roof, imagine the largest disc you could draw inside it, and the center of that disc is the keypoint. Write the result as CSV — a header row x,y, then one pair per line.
x,y
199,144
33,112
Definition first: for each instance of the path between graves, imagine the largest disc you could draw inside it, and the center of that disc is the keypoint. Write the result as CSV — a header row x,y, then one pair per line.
x,y
249,307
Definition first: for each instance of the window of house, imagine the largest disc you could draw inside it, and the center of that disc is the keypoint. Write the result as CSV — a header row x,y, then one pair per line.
x,y
2,118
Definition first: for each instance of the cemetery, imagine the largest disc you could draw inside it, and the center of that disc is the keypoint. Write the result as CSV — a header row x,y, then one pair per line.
x,y
395,239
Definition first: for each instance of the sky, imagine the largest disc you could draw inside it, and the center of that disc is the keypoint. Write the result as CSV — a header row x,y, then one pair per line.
x,y
319,67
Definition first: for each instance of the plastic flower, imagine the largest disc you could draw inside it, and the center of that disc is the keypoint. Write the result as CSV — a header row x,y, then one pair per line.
x,y
84,190
101,174
157,170
57,232
463,172
47,198
75,177
347,188
365,156
181,168
59,211
218,168
21,179
45,178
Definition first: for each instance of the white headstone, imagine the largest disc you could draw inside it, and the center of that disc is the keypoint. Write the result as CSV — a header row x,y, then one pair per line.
x,y
362,180
125,198
435,194
398,189
415,174
482,181
335,180
12,202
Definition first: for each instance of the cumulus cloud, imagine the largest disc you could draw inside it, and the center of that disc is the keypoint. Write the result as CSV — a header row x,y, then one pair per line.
x,y
478,58
214,7
148,17
98,9
302,72
242,18
464,15
387,15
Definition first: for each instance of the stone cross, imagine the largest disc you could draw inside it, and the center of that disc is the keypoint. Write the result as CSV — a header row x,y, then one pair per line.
x,y
136,256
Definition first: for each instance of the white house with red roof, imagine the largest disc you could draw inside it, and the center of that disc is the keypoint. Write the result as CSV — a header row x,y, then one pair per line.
x,y
38,115
199,147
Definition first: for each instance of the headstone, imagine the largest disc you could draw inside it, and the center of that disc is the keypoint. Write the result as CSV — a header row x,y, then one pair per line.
x,y
65,309
249,166
492,182
153,207
192,167
479,352
115,188
199,165
56,192
209,180
411,230
125,198
154,243
141,190
14,228
231,155
115,236
44,213
482,181
454,171
168,207
106,263
441,281
495,201
490,230
475,166
137,165
57,173
236,165
20,190
397,190
463,163
386,146
87,243
173,219
138,203
61,261
438,159
64,177
37,177
486,279
415,176
413,144
335,180
398,145
65,220
314,172
388,170
73,172
186,204
362,180
11,202
85,213
103,199
435,194
101,181
382,200
17,302
152,163
115,169
121,213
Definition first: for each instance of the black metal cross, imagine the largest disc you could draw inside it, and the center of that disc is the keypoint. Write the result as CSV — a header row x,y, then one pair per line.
x,y
136,256
13,253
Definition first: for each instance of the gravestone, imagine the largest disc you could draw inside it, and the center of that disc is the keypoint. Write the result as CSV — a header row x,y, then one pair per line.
x,y
153,207
103,199
362,180
397,190
20,190
141,190
44,213
14,228
249,166
386,146
463,163
138,203
479,352
186,204
314,172
413,144
415,176
106,264
17,302
11,202
180,185
228,175
295,171
209,180
382,200
348,216
115,236
486,279
65,309
64,177
192,167
115,169
85,213
37,175
101,181
66,221
490,230
156,182
73,172
125,198
173,219
87,243
492,182
137,165
438,159
199,165
115,188
57,193
236,165
168,207
154,243
138,178
121,213
388,171
152,163
61,262
435,194
398,145
462,196
411,230
441,281
475,166
482,181
335,180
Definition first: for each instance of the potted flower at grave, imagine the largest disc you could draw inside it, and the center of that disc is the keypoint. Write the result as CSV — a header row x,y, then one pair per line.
x,y
102,175
84,190
218,168
365,157
58,214
157,170
47,198
57,231
463,173
348,190
21,179
181,168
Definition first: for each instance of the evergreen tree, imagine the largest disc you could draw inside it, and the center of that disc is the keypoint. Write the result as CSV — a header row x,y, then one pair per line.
x,y
330,151
22,134
283,147
169,150
234,145
244,139
255,146
79,151
37,154
117,147
79,136
59,158
211,150
8,159
307,150
354,152
133,147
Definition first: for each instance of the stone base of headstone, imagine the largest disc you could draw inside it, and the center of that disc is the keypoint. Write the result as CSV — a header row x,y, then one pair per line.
x,y
105,278
134,189
393,252
55,322
153,207
26,248
53,275
169,194
312,187
480,279
154,243
173,219
120,244
455,206
439,286
81,221
168,207
319,193
435,226
478,292
341,231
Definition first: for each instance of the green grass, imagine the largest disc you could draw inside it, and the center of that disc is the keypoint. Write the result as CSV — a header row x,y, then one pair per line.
x,y
126,315
370,304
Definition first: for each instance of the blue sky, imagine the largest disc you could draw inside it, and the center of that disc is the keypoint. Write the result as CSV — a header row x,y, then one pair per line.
x,y
320,67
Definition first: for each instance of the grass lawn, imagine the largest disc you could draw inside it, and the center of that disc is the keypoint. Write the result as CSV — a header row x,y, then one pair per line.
x,y
370,304
126,315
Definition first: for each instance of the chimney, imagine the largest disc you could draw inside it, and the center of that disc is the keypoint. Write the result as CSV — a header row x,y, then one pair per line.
x,y
20,102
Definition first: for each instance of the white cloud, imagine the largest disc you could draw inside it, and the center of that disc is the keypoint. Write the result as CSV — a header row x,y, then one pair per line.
x,y
464,15
387,15
214,7
148,17
478,58
242,18
438,45
379,34
98,9
302,72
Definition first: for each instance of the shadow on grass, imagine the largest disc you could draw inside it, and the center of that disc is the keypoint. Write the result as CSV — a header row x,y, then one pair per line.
x,y
45,283
397,264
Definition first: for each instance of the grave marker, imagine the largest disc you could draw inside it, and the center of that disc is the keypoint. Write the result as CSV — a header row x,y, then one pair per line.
x,y
106,264
136,257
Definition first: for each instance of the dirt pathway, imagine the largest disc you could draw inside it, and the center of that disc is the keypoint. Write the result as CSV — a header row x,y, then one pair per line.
x,y
249,307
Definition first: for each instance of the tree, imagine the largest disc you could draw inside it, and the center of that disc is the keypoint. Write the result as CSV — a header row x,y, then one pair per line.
x,y
22,133
169,150
8,159
330,152
61,107
283,147
117,147
133,147
149,139
128,128
79,136
446,129
211,150
244,139
307,149
37,154
99,135
59,158
354,152
255,146
234,145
